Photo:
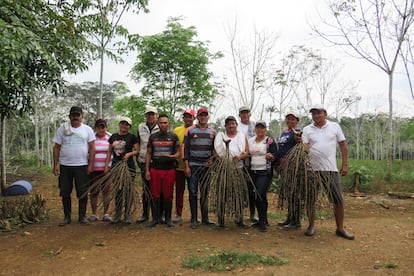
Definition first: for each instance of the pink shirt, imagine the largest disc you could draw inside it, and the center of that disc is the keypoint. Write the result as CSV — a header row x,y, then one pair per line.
x,y
101,150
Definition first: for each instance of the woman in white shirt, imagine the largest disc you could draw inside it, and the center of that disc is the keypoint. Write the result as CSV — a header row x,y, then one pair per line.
x,y
263,151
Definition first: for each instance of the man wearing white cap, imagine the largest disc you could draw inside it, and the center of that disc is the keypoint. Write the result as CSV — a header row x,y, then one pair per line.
x,y
145,129
320,139
247,127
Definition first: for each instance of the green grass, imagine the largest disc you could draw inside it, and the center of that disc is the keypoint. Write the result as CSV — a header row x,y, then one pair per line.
x,y
373,175
230,260
277,216
390,265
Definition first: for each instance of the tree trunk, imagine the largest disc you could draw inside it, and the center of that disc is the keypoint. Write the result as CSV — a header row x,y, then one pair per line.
x,y
390,123
101,53
3,153
36,130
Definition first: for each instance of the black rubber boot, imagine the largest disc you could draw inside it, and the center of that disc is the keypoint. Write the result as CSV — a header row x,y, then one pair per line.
x,y
67,210
193,210
145,208
294,217
204,212
82,211
155,210
220,222
167,210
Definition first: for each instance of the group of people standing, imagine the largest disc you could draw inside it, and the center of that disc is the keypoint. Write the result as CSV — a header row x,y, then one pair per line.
x,y
183,156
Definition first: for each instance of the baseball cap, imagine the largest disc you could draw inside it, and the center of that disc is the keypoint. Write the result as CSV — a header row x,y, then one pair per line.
x,y
202,110
75,109
150,109
261,123
100,122
229,118
244,108
317,108
126,119
189,111
292,114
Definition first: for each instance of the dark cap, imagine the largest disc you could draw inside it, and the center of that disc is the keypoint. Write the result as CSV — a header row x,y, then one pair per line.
x,y
244,108
228,119
317,108
75,109
261,123
202,110
100,122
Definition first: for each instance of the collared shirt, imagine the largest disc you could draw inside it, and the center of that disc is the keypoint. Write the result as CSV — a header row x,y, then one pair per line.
x,y
323,142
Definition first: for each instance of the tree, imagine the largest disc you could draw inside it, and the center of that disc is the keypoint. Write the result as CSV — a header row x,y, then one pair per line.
x,y
102,23
376,31
38,43
250,64
174,69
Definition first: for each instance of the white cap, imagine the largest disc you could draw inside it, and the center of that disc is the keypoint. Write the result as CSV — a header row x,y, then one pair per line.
x,y
150,109
126,119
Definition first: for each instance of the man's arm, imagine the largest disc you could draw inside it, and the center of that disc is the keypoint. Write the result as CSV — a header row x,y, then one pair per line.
x,y
91,157
147,163
56,155
344,154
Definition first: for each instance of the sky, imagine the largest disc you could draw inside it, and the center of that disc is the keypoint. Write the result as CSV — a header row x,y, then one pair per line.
x,y
289,19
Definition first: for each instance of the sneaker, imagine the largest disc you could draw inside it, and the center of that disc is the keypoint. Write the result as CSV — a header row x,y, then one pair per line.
x,y
93,218
107,218
177,219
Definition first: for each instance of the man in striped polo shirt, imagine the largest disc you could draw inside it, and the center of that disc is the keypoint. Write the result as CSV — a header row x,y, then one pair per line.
x,y
198,154
101,150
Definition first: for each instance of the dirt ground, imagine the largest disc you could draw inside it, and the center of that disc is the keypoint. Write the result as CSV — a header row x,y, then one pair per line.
x,y
383,226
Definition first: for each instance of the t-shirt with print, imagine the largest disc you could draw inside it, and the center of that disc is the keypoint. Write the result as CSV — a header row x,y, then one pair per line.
x,y
122,144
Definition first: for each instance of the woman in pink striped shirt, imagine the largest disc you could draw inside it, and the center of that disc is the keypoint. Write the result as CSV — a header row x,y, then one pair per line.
x,y
101,151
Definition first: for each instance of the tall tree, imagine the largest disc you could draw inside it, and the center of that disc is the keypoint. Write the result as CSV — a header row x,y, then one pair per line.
x,y
375,30
251,62
173,66
102,22
38,43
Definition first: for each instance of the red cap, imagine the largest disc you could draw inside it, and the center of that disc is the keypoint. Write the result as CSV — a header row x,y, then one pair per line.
x,y
202,110
189,111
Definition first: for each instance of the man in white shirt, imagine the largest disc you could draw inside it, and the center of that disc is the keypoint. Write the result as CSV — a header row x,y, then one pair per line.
x,y
320,139
247,127
73,158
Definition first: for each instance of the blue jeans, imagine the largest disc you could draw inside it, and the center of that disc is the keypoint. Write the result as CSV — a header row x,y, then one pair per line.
x,y
197,174
261,180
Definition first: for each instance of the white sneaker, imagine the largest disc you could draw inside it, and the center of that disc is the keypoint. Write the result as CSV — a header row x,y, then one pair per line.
x,y
93,218
177,219
107,217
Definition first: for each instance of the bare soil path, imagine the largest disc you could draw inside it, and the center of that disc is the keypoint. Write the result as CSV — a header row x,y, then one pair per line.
x,y
384,243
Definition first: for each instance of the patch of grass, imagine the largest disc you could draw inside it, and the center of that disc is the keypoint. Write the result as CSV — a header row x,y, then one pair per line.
x,y
323,215
390,265
276,216
373,174
230,260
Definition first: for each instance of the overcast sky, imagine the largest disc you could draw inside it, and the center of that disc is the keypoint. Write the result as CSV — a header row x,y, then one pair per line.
x,y
288,19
